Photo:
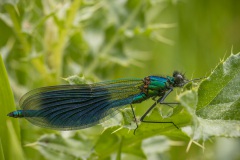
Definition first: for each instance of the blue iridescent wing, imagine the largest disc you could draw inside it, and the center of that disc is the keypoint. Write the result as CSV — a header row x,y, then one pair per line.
x,y
69,107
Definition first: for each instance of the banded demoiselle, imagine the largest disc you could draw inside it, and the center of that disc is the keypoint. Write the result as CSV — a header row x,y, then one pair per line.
x,y
70,107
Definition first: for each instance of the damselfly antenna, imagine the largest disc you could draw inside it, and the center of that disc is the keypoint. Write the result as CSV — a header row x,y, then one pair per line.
x,y
196,79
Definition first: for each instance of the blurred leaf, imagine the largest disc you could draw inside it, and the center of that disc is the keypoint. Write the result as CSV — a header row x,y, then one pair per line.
x,y
1,151
154,147
74,147
9,129
13,2
14,145
107,144
133,151
75,79
227,148
6,19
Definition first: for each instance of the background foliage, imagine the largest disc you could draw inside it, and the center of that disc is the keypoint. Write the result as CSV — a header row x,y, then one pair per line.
x,y
46,43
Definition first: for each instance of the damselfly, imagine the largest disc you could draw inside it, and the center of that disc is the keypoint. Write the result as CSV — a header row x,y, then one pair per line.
x,y
70,107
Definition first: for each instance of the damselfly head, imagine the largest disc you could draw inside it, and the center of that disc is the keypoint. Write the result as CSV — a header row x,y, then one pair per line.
x,y
179,79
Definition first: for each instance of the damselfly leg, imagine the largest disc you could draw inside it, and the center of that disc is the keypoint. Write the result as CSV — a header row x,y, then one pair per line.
x,y
160,101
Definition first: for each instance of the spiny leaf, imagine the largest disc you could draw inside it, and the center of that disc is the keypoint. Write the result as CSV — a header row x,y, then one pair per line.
x,y
215,108
219,94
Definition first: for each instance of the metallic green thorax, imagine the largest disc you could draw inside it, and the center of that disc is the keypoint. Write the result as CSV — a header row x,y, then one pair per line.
x,y
157,86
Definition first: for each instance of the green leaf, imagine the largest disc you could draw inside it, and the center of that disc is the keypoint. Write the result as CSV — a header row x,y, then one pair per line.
x,y
75,79
155,147
219,94
1,151
69,145
9,128
215,107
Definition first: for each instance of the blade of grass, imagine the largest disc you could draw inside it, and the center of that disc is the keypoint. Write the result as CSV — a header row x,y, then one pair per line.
x,y
14,144
1,151
7,105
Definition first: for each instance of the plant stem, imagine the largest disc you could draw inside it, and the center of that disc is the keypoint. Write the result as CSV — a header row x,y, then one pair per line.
x,y
26,47
58,50
107,48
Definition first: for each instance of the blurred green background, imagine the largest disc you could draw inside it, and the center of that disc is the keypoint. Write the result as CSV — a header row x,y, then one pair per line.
x,y
43,42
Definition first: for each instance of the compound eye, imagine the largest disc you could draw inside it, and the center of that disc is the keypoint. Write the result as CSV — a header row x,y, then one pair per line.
x,y
179,78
